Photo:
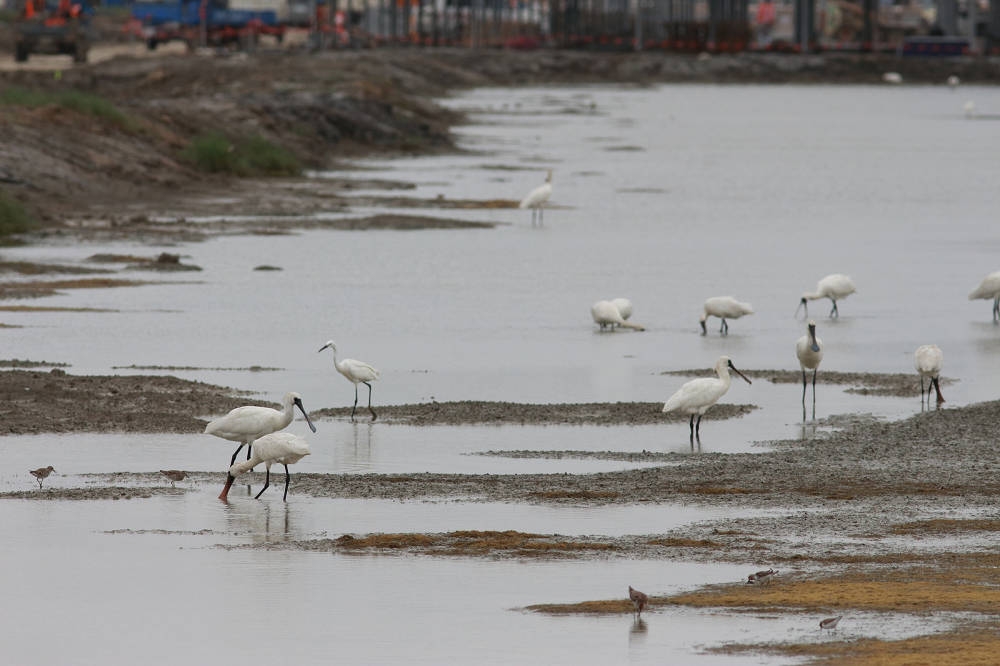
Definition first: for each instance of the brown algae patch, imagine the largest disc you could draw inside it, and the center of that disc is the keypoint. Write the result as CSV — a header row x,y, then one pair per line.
x,y
38,288
939,526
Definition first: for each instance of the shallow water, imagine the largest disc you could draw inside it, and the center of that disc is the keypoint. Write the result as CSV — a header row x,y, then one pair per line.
x,y
665,195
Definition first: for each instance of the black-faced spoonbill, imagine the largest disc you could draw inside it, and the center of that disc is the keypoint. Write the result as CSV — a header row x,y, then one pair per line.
x,y
537,198
173,475
356,372
638,599
42,473
809,350
723,307
607,315
928,360
624,307
834,287
987,289
697,395
278,447
830,622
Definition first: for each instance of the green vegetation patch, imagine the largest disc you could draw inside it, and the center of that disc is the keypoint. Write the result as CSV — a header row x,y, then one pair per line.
x,y
255,156
14,217
73,100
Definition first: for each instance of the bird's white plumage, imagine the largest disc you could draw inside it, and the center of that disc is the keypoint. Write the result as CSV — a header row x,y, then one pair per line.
x,y
892,77
624,307
836,286
809,358
355,371
538,196
969,108
723,307
989,288
245,424
279,447
605,313
928,360
697,395
953,81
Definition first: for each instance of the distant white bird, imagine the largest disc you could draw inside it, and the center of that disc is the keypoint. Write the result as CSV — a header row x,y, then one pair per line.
x,y
969,108
537,198
892,77
723,307
830,622
809,350
356,372
928,360
245,424
697,395
835,287
278,447
606,314
987,289
638,599
953,81
624,307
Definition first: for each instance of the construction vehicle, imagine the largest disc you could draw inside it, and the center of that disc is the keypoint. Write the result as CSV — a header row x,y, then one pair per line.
x,y
53,27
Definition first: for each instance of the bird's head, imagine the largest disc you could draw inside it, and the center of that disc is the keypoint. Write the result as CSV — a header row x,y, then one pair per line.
x,y
330,344
729,364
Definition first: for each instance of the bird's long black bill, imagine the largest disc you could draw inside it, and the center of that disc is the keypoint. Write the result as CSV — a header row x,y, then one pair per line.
x,y
733,368
802,304
302,409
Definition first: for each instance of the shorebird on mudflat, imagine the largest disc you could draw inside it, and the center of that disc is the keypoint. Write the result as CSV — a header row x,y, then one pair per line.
x,y
638,599
830,622
173,475
42,473
761,577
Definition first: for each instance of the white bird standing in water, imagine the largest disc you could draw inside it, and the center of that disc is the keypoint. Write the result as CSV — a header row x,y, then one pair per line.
x,y
278,447
928,360
953,81
809,350
723,307
606,314
624,307
835,287
969,108
245,424
987,289
697,395
892,77
356,372
537,199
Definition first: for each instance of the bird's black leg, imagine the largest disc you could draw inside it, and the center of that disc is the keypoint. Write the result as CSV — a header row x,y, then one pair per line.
x,y
288,477
697,428
996,309
724,329
803,390
374,415
834,312
922,390
541,221
355,402
691,425
814,392
232,460
267,482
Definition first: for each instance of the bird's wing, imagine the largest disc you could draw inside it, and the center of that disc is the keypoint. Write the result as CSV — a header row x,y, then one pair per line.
x,y
361,370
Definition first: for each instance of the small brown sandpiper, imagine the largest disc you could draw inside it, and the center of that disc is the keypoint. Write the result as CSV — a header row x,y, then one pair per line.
x,y
761,577
42,473
638,599
830,622
173,475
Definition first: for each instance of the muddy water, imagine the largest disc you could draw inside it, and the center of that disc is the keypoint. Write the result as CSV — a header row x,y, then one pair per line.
x,y
666,196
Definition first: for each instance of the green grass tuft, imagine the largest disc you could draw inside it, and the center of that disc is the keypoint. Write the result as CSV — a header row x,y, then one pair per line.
x,y
14,218
73,100
255,156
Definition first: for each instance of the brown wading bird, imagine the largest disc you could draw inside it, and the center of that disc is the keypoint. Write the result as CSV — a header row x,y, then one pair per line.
x,y
761,577
173,475
42,473
830,622
638,599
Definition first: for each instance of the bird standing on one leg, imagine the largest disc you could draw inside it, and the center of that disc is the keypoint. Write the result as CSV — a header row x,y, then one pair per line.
x,y
42,473
928,359
835,287
697,395
356,372
809,350
537,198
638,599
278,447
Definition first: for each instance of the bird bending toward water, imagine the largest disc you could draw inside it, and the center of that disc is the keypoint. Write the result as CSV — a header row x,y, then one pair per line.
x,y
809,350
638,599
928,360
607,315
537,199
697,395
723,307
987,289
173,475
835,287
278,447
42,473
761,577
830,622
624,307
356,372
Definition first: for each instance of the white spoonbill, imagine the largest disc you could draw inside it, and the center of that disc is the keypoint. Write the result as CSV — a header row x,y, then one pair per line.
x,y
606,314
987,289
357,372
809,350
697,395
834,287
723,307
278,447
537,198
928,360
624,307
245,424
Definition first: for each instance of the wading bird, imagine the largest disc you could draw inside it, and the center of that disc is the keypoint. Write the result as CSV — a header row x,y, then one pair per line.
x,y
953,81
830,622
356,372
809,350
969,108
245,424
173,475
697,395
278,447
537,199
42,473
638,599
607,315
928,360
834,287
723,307
892,77
761,577
987,289
624,307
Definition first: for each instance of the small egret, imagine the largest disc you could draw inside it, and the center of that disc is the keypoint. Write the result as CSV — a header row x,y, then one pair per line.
x,y
987,289
357,372
605,314
953,81
892,77
809,350
638,599
830,622
245,424
278,447
834,287
173,475
624,307
723,307
42,473
697,395
761,577
928,360
969,108
537,198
